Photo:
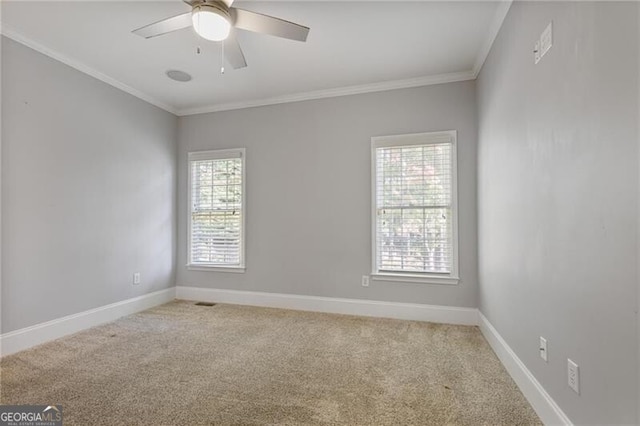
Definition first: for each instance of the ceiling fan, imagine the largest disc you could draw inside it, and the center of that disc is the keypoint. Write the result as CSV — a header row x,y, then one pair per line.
x,y
215,20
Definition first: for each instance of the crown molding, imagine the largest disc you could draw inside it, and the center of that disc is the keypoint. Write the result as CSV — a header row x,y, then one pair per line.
x,y
492,33
494,29
496,24
73,63
332,93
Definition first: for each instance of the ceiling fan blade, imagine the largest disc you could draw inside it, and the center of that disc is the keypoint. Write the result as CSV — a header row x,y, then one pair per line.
x,y
165,26
233,52
256,22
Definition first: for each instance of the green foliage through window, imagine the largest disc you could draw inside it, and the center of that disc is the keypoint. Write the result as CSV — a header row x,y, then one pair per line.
x,y
216,211
414,217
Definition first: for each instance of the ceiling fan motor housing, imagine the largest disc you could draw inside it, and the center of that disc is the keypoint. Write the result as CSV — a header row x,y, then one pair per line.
x,y
219,6
211,20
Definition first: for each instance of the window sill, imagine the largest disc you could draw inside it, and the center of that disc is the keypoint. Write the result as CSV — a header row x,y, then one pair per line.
x,y
205,268
414,278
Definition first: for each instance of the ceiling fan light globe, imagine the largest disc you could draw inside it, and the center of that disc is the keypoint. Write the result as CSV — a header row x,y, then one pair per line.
x,y
210,22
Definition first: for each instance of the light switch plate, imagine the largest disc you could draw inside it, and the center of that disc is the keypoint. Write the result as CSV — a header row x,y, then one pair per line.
x,y
543,349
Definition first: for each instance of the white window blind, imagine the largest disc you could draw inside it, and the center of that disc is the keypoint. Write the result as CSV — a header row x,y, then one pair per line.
x,y
414,197
216,191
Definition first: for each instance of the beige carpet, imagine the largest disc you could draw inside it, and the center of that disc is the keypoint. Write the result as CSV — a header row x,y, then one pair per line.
x,y
181,364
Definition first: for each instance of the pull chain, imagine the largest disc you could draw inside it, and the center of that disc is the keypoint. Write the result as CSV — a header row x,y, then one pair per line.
x,y
198,50
222,58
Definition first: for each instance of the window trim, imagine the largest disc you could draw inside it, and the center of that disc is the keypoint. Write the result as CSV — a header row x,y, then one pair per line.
x,y
427,138
218,154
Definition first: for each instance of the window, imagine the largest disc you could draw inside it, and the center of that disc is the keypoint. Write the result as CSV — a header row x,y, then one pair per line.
x,y
216,210
414,208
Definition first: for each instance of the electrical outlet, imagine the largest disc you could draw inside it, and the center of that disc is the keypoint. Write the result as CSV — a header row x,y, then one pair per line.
x,y
573,376
365,281
136,278
543,348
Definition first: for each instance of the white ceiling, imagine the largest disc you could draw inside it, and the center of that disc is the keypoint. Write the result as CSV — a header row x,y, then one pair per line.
x,y
352,47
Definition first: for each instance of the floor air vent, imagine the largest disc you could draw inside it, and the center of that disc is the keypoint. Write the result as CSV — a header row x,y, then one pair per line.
x,y
205,304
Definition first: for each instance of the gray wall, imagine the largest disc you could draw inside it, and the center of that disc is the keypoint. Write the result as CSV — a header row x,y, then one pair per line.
x,y
309,190
558,194
88,191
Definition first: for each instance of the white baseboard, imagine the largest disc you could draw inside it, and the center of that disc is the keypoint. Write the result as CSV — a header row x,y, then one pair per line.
x,y
367,308
28,337
546,408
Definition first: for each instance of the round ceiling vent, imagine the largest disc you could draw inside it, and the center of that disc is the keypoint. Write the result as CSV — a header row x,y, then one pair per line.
x,y
178,76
